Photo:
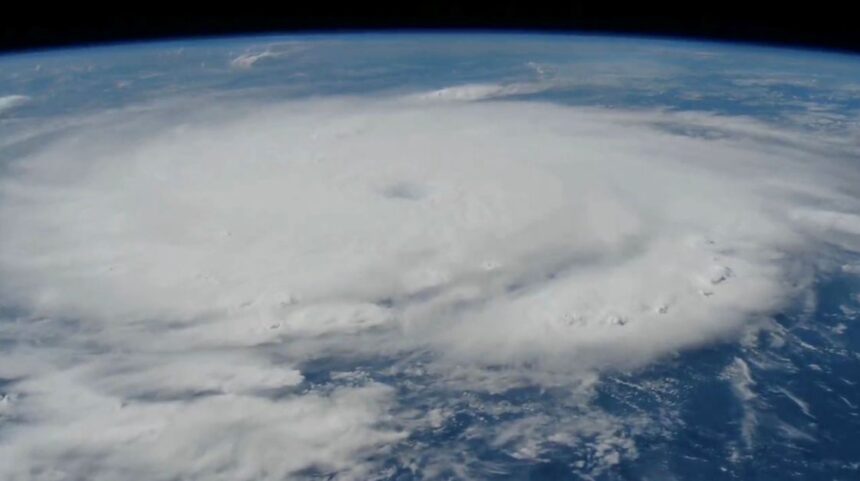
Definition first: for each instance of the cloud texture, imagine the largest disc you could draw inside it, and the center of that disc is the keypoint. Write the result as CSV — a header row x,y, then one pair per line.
x,y
170,273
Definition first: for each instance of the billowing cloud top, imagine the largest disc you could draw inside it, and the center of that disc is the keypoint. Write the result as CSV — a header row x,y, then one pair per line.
x,y
173,271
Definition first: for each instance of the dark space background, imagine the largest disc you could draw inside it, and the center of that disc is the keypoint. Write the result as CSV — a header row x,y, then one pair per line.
x,y
799,24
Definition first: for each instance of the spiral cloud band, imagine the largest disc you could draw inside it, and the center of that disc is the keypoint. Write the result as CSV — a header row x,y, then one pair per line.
x,y
171,270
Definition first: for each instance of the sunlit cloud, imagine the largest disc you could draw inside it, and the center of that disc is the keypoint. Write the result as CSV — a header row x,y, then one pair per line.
x,y
155,260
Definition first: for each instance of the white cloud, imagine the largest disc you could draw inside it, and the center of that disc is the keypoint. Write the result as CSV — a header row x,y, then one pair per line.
x,y
739,375
188,373
73,432
283,223
157,256
247,59
484,91
9,102
535,437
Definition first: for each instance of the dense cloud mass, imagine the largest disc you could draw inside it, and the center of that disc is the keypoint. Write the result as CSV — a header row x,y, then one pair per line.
x,y
173,269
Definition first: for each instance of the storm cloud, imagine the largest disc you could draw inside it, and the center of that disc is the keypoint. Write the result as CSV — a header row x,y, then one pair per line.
x,y
170,269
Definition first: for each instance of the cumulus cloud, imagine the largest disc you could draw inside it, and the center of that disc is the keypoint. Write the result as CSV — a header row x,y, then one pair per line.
x,y
156,259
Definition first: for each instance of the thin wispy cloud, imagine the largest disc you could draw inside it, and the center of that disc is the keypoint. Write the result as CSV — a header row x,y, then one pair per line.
x,y
9,102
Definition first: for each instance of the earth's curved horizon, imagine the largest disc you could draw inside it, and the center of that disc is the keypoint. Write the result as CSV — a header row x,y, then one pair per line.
x,y
429,257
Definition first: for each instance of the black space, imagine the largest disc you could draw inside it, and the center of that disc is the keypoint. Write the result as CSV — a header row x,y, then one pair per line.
x,y
811,25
